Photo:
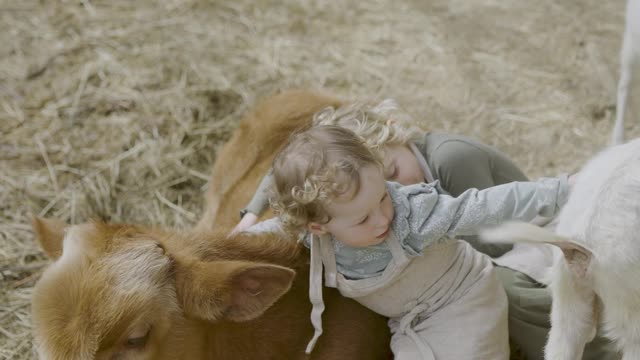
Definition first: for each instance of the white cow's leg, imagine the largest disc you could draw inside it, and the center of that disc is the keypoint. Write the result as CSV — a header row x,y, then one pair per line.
x,y
572,321
626,73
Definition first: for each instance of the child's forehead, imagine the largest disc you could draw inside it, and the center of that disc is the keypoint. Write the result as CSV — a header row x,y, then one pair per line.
x,y
344,197
357,199
349,186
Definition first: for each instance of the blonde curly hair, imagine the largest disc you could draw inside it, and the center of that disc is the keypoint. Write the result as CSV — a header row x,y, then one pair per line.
x,y
315,167
380,124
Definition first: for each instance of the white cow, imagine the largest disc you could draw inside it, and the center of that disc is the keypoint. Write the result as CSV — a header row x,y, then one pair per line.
x,y
629,64
597,281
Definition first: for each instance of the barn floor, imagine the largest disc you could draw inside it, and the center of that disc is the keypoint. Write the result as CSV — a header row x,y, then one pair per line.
x,y
115,109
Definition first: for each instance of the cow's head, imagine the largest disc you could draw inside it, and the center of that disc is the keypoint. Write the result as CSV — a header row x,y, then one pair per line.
x,y
117,291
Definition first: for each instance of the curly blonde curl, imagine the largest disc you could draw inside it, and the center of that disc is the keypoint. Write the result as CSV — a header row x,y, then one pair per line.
x,y
380,124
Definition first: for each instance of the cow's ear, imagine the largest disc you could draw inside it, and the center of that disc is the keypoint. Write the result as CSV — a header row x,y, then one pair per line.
x,y
50,234
578,257
232,290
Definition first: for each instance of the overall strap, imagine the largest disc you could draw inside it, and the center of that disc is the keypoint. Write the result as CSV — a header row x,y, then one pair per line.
x,y
406,327
328,255
428,176
315,291
398,253
322,253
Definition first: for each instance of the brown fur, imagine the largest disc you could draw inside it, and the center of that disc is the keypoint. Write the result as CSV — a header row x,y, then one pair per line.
x,y
200,294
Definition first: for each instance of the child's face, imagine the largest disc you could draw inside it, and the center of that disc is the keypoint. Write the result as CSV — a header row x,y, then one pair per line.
x,y
363,219
401,165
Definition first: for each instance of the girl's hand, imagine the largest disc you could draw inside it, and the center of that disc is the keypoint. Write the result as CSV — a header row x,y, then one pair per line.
x,y
247,221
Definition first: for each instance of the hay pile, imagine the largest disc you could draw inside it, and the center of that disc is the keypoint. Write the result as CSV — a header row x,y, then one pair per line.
x,y
115,109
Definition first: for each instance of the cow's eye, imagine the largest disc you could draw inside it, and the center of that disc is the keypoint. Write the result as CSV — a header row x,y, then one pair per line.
x,y
138,338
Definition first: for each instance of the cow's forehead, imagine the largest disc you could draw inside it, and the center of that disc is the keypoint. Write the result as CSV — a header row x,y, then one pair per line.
x,y
140,268
98,254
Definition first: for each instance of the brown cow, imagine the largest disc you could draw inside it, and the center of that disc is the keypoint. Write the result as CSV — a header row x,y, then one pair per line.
x,y
133,292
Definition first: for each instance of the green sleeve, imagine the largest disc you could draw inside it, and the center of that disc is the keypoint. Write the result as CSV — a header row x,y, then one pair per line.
x,y
260,200
464,164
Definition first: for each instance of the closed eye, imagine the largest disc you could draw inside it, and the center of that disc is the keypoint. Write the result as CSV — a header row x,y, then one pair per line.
x,y
138,340
363,220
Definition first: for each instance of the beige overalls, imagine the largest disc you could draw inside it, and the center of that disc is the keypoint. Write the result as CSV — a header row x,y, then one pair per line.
x,y
444,305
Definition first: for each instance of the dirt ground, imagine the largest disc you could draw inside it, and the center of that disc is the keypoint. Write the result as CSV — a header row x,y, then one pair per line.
x,y
115,108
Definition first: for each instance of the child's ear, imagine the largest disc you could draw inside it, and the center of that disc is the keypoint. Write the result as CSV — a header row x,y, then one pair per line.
x,y
317,229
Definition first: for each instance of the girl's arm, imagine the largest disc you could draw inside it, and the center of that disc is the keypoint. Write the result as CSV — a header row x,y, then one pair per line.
x,y
257,205
432,216
463,163
260,200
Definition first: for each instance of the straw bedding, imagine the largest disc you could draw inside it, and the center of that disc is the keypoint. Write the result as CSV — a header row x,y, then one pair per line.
x,y
115,109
